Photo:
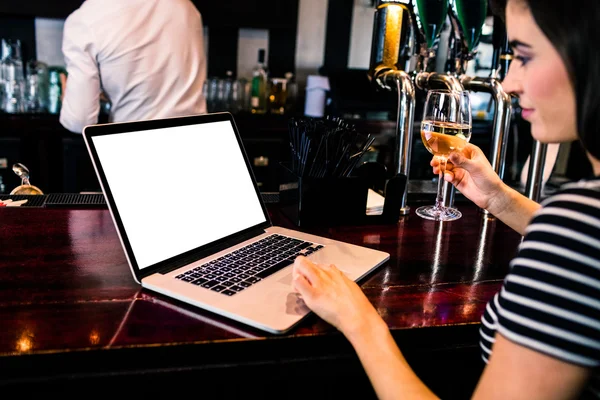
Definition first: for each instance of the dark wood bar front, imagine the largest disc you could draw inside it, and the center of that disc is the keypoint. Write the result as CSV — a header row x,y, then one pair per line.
x,y
74,319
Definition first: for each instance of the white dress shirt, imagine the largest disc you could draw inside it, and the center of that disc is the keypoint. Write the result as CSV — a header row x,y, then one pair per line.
x,y
147,55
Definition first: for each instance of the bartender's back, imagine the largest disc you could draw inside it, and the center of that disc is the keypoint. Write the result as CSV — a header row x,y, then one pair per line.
x,y
147,55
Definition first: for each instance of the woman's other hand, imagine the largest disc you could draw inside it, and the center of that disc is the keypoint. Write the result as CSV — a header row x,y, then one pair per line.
x,y
334,297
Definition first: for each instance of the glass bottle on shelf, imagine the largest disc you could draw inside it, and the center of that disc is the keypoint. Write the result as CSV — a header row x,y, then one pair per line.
x,y
292,92
245,94
36,87
212,90
13,78
277,95
259,85
55,89
227,100
237,96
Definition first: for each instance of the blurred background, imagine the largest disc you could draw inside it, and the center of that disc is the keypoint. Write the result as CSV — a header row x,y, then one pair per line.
x,y
312,56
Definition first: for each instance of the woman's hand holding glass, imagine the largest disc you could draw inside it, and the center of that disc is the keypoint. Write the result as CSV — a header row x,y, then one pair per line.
x,y
446,127
472,174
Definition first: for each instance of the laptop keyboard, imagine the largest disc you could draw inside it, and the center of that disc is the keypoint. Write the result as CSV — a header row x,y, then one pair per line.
x,y
242,268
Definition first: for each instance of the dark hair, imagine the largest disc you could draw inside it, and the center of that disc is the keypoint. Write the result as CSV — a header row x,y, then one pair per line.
x,y
573,30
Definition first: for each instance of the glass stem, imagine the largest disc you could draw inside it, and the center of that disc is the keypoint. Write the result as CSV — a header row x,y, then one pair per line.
x,y
439,199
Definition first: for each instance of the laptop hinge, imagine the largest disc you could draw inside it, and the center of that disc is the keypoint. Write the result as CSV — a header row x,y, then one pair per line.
x,y
211,250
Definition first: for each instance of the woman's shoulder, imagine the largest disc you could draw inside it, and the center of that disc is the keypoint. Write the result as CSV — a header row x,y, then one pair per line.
x,y
550,299
574,200
584,188
567,225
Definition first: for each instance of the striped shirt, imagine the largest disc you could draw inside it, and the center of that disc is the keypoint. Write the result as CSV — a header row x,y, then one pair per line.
x,y
550,299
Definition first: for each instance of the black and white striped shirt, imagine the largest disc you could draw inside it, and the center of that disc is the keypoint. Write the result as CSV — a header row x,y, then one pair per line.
x,y
550,299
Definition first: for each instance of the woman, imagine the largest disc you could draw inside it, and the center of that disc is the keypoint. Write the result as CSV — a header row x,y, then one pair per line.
x,y
541,333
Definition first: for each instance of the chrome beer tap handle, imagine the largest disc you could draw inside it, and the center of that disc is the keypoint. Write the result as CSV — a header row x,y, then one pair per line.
x,y
535,174
502,117
394,46
404,127
436,80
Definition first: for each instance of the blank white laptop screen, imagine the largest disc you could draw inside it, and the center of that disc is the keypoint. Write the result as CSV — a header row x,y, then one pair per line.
x,y
196,183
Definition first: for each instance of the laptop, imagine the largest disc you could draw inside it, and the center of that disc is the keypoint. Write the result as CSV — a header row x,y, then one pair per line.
x,y
194,227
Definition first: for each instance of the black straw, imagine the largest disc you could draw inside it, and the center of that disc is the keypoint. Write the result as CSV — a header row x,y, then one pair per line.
x,y
326,147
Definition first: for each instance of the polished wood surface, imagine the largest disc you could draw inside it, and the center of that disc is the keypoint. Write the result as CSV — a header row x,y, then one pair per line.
x,y
66,290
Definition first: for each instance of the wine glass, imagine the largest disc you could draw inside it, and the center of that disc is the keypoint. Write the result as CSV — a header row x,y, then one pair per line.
x,y
446,127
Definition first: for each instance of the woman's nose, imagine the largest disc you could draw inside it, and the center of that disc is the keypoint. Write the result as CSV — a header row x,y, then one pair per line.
x,y
512,83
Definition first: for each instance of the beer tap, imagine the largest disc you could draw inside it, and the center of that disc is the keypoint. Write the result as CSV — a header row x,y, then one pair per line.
x,y
430,16
405,30
437,11
391,53
502,54
502,58
467,18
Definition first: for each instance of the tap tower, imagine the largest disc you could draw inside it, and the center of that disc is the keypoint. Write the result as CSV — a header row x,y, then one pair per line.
x,y
467,17
406,35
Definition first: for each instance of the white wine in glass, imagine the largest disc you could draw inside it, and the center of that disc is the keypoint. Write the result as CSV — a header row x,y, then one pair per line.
x,y
446,127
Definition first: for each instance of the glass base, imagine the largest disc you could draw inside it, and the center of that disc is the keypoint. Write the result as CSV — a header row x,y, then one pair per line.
x,y
438,214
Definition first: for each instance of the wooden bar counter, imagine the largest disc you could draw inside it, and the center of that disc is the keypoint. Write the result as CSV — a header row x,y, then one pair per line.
x,y
73,320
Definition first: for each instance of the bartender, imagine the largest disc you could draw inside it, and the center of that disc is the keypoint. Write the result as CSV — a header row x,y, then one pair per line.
x,y
146,56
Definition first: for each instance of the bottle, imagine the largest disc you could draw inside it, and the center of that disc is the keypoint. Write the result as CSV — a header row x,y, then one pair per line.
x,y
227,95
36,85
292,92
277,95
54,90
13,78
259,85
